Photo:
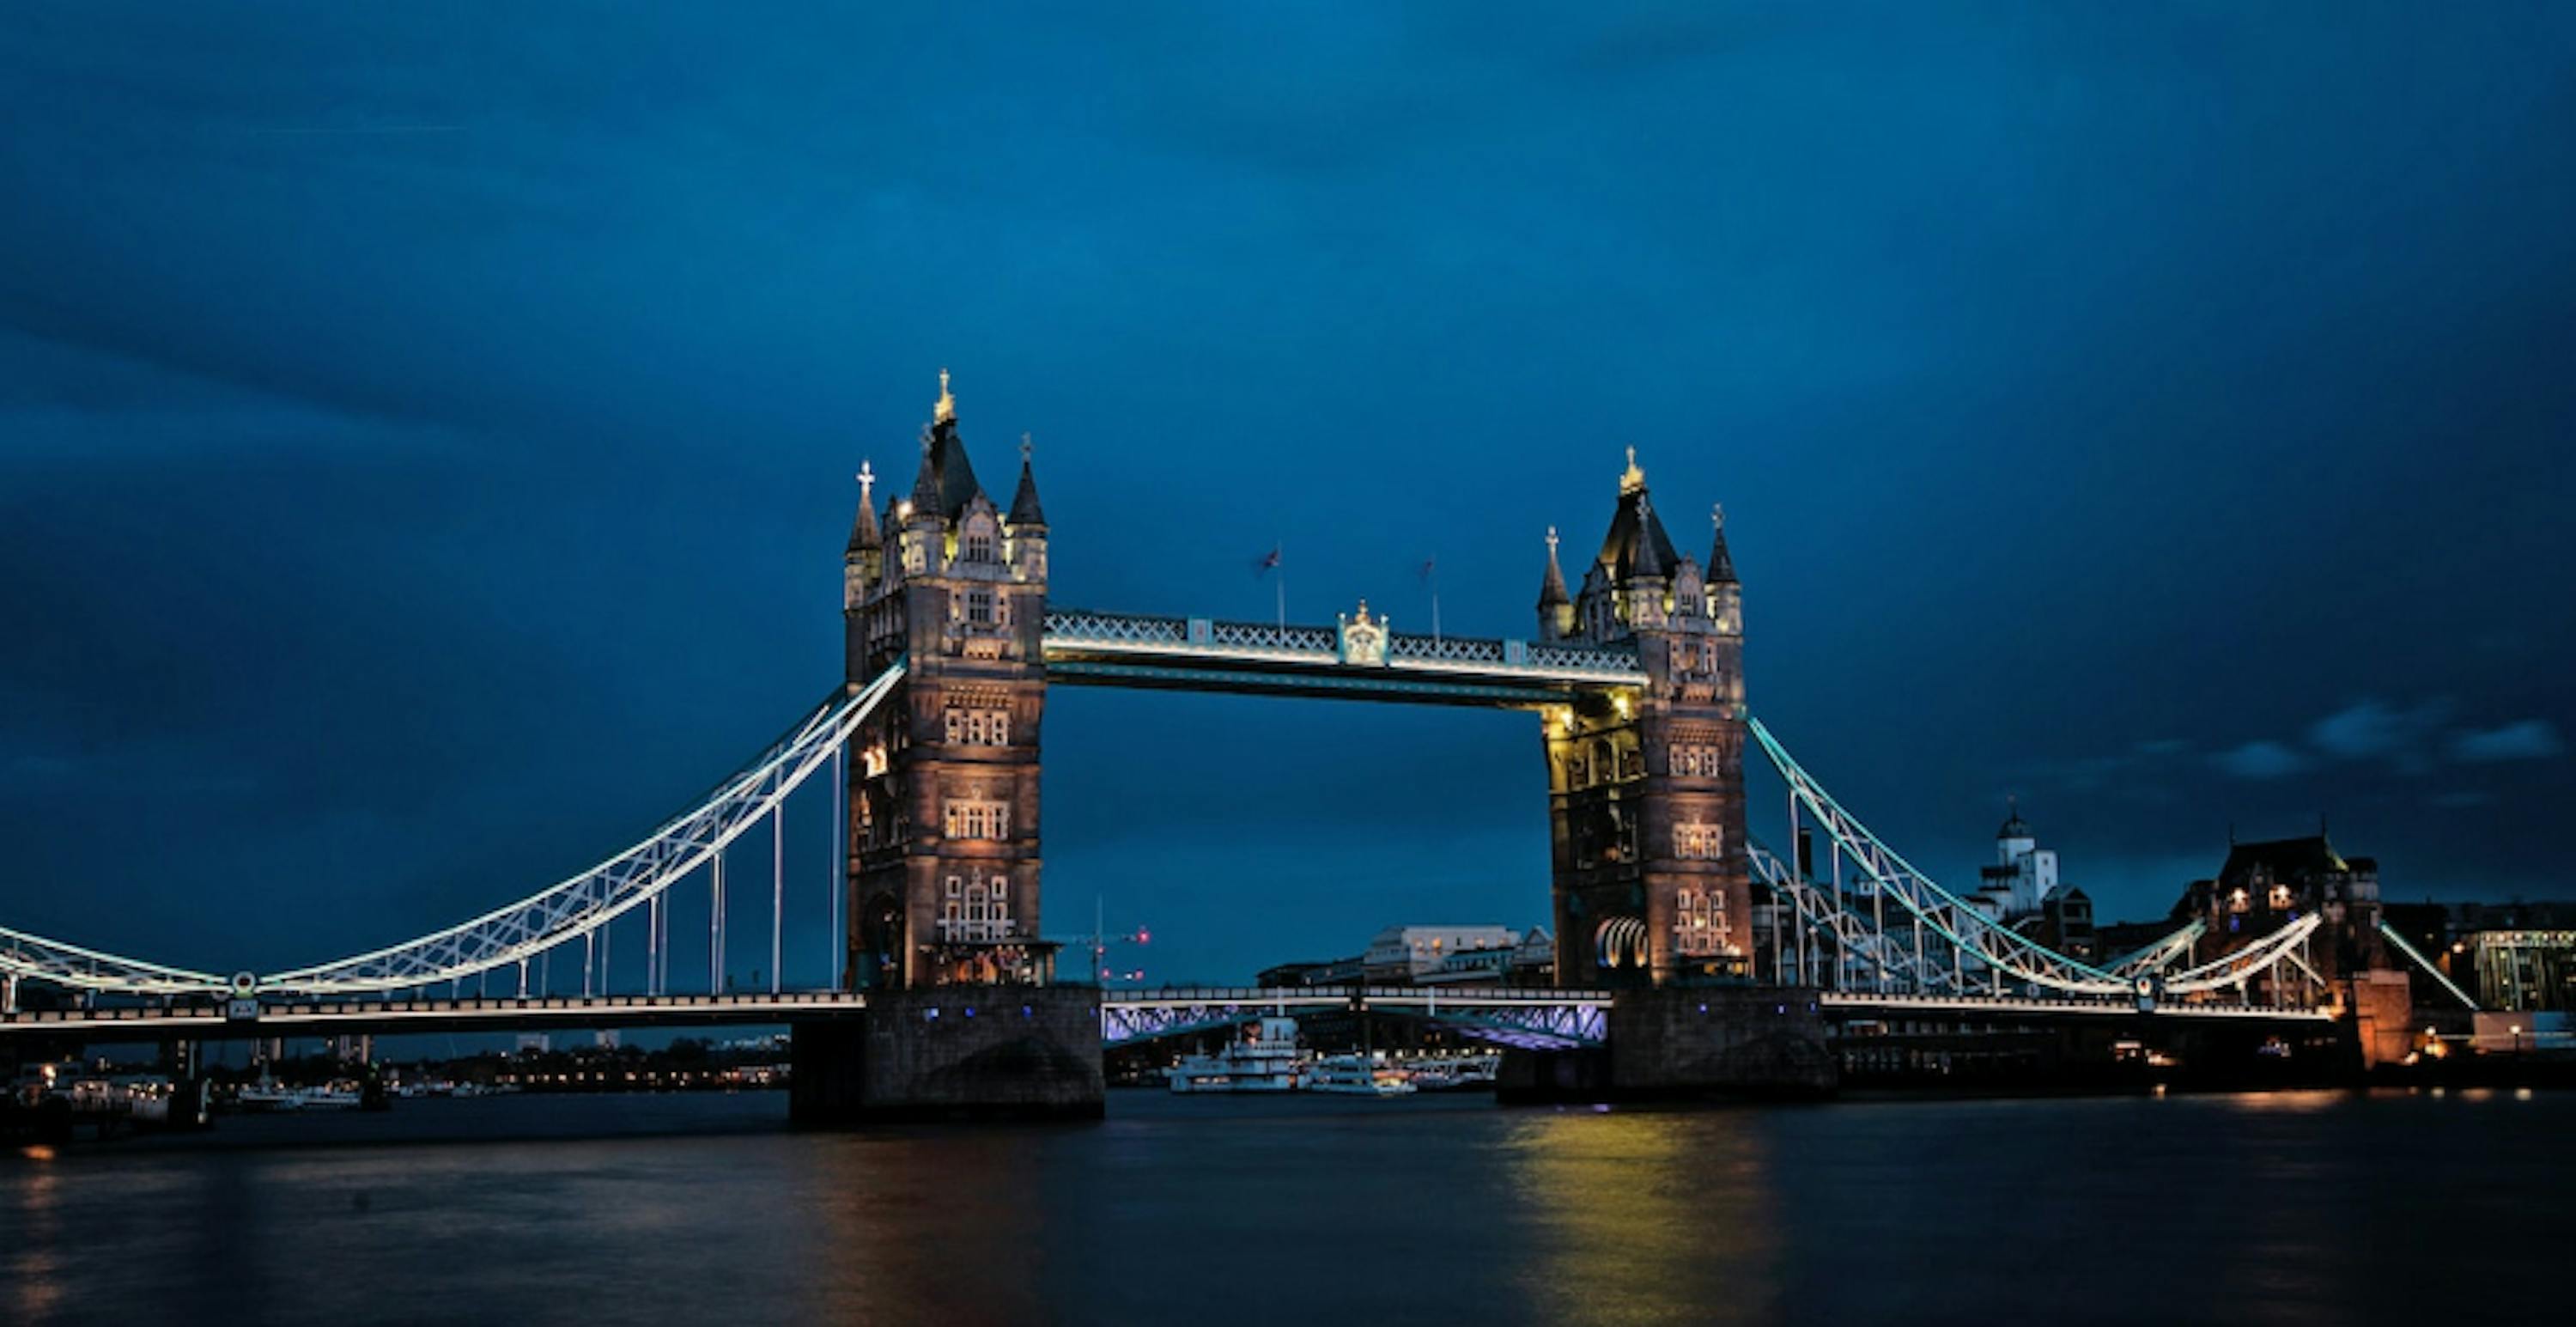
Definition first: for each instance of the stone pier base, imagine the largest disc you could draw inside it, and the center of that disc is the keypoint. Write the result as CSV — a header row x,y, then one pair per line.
x,y
2383,1016
952,1053
1683,1042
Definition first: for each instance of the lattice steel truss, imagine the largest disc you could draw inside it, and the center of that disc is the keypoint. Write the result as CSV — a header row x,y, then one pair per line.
x,y
1073,630
1949,945
25,957
506,936
1546,1019
510,935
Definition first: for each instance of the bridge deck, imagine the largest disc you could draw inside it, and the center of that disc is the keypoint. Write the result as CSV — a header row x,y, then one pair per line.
x,y
328,1018
2022,1006
1203,654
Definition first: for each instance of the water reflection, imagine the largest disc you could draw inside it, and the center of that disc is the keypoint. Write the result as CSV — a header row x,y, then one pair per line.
x,y
928,1226
1646,1217
34,1256
1337,1212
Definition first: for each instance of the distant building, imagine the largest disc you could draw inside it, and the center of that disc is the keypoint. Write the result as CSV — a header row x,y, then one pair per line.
x,y
1291,974
2023,891
1403,955
2266,886
2065,924
1432,956
2023,873
2513,957
1530,961
2521,970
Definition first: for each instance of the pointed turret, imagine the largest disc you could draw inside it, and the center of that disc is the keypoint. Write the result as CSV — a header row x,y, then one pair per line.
x,y
1634,525
1721,564
864,535
1025,511
1649,563
1555,606
925,481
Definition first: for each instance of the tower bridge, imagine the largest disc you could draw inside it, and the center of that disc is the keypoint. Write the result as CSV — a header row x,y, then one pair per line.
x,y
1668,913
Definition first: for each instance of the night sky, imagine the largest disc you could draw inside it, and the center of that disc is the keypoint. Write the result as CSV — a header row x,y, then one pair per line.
x,y
426,433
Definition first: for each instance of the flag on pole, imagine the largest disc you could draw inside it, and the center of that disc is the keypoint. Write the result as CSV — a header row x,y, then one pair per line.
x,y
1428,565
1266,563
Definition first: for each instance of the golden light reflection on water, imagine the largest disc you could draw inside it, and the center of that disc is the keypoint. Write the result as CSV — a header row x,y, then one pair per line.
x,y
1648,1217
2307,1102
34,1258
941,1228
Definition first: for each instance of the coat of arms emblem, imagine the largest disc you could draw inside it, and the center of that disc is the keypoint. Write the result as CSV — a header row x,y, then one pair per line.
x,y
1363,638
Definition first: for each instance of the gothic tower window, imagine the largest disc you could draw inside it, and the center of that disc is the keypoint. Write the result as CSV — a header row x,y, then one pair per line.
x,y
1695,841
1699,922
979,727
976,818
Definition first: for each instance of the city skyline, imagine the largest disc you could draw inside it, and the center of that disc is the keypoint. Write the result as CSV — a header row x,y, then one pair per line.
x,y
2199,470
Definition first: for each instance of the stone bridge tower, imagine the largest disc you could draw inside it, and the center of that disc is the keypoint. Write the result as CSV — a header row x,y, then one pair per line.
x,y
943,795
1646,793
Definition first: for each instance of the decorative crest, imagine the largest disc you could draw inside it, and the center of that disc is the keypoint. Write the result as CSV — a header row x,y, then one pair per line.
x,y
1717,516
1634,481
1027,449
945,411
1363,638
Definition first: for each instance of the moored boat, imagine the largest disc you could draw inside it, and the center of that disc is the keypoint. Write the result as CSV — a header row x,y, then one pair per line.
x,y
1266,1059
1356,1075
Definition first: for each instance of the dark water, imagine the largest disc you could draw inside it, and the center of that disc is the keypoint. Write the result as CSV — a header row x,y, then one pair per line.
x,y
2283,1208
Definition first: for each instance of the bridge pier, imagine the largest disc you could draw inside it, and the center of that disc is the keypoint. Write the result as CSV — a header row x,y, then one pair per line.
x,y
1687,1042
952,1053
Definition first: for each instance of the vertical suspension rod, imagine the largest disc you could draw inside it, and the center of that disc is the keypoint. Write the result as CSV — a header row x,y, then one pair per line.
x,y
777,885
836,863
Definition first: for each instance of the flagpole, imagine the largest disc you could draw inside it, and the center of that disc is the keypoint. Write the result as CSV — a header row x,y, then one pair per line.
x,y
1281,586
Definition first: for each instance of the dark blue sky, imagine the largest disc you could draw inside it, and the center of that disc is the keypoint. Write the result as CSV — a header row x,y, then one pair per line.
x,y
425,437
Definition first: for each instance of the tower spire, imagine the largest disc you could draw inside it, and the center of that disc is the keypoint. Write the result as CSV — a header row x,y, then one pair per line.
x,y
1721,565
944,410
863,531
1551,587
1025,510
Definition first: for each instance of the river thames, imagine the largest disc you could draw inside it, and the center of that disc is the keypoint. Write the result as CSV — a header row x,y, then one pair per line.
x,y
2273,1208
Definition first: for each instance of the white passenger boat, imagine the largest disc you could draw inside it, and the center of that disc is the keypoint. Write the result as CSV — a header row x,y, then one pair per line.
x,y
1454,1073
337,1096
1265,1060
1356,1075
265,1095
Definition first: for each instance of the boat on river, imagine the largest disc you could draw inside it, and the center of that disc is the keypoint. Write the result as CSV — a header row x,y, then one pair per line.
x,y
1357,1076
1266,1059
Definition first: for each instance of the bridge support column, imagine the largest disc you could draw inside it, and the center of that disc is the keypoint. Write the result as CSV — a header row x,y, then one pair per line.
x,y
958,1052
1683,1042
2383,1015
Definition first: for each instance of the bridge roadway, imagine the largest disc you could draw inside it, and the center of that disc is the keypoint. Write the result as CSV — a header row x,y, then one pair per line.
x,y
332,1018
1529,1016
1086,648
1847,1004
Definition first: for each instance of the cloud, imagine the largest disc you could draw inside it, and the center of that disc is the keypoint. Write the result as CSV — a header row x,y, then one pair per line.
x,y
2262,759
2369,728
2528,739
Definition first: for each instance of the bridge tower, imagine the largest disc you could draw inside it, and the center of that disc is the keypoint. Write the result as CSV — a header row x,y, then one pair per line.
x,y
943,783
1646,789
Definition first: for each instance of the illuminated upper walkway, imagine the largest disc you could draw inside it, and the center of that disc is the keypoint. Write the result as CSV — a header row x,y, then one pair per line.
x,y
1357,659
